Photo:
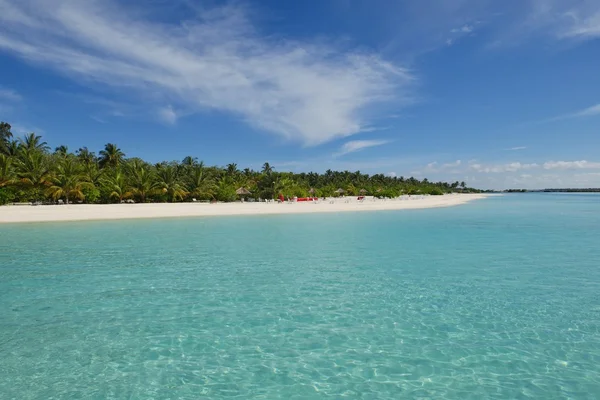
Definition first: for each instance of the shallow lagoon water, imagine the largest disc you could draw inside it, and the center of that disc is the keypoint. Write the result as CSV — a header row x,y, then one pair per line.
x,y
499,298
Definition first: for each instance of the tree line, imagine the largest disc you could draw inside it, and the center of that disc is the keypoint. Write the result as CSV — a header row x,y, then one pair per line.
x,y
31,172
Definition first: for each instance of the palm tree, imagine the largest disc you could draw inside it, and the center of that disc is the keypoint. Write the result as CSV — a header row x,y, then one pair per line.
x,y
61,151
225,190
85,156
93,174
69,181
33,170
5,135
116,185
286,186
200,183
168,181
142,179
463,185
7,172
267,169
189,161
111,156
32,142
5,132
10,148
232,169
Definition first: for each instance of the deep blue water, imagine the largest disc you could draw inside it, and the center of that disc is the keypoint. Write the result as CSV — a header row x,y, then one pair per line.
x,y
495,299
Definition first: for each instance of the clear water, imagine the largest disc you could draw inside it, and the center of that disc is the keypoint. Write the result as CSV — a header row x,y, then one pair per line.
x,y
495,299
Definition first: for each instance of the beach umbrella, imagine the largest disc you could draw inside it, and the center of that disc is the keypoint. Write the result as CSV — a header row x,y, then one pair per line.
x,y
340,191
242,192
311,191
362,191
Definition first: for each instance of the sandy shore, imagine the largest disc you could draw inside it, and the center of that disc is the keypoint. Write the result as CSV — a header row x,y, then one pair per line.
x,y
85,212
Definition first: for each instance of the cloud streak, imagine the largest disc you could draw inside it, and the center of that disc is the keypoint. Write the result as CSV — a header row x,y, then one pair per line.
x,y
357,145
582,164
9,95
305,92
588,112
585,113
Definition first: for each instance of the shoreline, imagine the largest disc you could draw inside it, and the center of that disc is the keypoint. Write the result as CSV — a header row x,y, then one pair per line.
x,y
101,212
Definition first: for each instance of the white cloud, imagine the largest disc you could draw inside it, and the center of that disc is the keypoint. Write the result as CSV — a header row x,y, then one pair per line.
x,y
564,19
588,112
582,23
500,168
25,129
98,119
358,145
582,164
9,95
463,29
168,115
435,167
456,163
303,91
517,148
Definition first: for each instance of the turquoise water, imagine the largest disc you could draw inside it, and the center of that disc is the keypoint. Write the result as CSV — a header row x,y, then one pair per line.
x,y
495,299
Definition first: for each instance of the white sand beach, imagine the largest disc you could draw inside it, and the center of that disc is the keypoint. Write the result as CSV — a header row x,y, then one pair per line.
x,y
86,212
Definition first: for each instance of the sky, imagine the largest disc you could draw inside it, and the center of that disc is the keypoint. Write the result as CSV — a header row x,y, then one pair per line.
x,y
500,94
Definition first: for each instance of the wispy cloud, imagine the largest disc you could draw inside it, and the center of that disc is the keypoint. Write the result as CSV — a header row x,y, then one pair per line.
x,y
463,29
566,19
583,22
499,168
20,129
358,145
98,119
9,95
435,167
303,91
586,112
168,115
582,164
516,148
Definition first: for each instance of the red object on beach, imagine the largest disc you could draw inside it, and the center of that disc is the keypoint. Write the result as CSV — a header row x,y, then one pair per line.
x,y
307,198
281,198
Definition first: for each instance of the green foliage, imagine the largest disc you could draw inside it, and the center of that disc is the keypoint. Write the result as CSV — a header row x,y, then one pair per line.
x,y
7,195
226,190
30,171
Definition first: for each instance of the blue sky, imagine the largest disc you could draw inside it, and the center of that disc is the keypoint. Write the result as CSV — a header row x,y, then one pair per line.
x,y
499,94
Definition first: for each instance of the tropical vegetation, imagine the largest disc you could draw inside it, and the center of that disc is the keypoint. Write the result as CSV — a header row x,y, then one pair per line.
x,y
31,172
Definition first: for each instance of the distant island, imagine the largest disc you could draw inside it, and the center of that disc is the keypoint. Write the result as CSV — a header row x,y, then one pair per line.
x,y
31,172
565,190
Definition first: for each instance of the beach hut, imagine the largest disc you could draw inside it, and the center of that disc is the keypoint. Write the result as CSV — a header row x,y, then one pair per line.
x,y
242,192
362,191
340,191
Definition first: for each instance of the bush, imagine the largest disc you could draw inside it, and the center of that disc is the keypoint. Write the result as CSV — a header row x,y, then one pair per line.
x,y
6,196
92,195
226,193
